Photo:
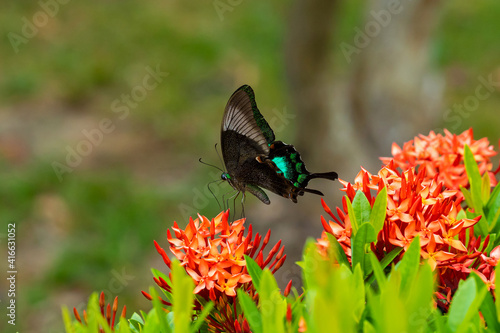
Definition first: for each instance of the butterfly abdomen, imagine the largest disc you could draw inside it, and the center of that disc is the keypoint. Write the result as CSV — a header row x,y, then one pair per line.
x,y
326,175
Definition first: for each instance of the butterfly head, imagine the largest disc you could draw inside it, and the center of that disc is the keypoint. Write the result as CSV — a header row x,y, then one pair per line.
x,y
225,176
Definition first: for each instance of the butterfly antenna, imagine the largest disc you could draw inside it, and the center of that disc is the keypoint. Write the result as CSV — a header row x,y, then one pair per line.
x,y
220,158
210,165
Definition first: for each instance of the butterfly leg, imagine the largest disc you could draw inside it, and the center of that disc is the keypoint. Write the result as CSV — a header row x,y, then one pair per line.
x,y
208,186
225,201
234,201
243,205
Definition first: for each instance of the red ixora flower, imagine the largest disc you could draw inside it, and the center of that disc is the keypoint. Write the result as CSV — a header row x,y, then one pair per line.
x,y
417,206
212,253
108,312
443,156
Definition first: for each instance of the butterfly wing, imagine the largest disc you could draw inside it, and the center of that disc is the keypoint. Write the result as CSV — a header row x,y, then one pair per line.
x,y
264,174
245,134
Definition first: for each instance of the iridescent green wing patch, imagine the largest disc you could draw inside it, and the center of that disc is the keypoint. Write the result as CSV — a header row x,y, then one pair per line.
x,y
289,164
261,122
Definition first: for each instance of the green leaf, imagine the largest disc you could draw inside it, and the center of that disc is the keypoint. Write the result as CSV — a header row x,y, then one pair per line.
x,y
379,210
254,270
157,274
492,210
67,320
378,271
136,322
465,305
336,251
474,179
419,299
182,292
250,310
497,296
207,308
358,294
487,308
494,200
365,235
467,196
390,257
157,312
386,260
485,188
368,328
352,216
272,304
408,266
361,207
439,322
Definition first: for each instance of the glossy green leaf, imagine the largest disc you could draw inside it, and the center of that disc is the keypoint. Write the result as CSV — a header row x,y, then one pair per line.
x,y
497,296
250,310
474,179
465,305
362,208
182,292
492,210
386,260
487,307
475,191
200,319
272,304
336,251
158,314
379,211
439,323
408,266
419,300
352,216
467,196
254,271
378,272
390,257
158,274
68,326
365,235
485,188
368,328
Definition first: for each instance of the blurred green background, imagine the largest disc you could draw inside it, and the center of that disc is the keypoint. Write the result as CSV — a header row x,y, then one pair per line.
x,y
93,228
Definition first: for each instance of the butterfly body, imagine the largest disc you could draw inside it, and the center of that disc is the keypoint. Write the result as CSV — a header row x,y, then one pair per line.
x,y
254,160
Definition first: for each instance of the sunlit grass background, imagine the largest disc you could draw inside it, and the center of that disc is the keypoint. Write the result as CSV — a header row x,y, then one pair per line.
x,y
102,218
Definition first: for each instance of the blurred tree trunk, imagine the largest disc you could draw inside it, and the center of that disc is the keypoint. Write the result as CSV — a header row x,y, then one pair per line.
x,y
391,96
393,92
307,57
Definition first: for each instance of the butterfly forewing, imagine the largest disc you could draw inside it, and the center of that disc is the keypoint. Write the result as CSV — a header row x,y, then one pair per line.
x,y
244,118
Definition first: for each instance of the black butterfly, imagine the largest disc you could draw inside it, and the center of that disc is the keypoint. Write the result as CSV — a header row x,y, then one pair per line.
x,y
254,159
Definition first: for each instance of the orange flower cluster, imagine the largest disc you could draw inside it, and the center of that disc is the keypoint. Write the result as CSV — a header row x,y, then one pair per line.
x,y
212,253
416,206
107,312
443,156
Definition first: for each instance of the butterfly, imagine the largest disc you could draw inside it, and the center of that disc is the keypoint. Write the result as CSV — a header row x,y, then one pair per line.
x,y
254,159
